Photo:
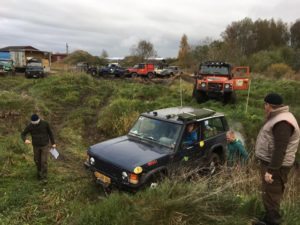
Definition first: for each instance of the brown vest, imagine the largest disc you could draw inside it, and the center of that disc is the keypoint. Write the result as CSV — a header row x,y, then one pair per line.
x,y
264,147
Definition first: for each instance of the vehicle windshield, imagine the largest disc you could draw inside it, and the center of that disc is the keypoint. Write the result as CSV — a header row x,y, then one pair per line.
x,y
214,70
161,132
34,64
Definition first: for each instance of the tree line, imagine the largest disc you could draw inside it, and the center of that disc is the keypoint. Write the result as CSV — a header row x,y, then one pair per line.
x,y
259,44
264,45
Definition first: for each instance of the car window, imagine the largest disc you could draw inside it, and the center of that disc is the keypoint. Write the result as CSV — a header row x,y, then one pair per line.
x,y
212,127
162,132
191,134
141,66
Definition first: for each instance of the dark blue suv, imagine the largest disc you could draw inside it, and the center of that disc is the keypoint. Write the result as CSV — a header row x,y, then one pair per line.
x,y
157,143
112,69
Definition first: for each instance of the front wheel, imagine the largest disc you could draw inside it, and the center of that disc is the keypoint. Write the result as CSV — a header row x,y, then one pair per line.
x,y
154,181
200,96
214,163
229,98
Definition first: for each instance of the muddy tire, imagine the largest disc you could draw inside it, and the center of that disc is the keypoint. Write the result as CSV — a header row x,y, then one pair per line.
x,y
150,75
154,181
229,98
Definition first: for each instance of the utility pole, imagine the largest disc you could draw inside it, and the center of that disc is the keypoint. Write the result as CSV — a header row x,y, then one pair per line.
x,y
67,48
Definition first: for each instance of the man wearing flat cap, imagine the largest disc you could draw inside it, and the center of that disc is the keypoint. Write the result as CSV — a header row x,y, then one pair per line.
x,y
40,134
276,147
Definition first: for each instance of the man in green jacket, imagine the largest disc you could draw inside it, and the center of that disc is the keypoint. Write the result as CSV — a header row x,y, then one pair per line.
x,y
235,149
40,133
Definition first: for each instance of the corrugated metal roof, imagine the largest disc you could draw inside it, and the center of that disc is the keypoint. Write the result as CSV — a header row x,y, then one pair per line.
x,y
18,48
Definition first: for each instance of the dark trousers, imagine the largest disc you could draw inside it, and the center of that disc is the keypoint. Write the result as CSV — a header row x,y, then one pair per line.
x,y
40,159
272,193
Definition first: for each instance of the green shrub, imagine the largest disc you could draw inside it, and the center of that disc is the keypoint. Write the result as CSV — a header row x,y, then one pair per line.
x,y
279,70
119,115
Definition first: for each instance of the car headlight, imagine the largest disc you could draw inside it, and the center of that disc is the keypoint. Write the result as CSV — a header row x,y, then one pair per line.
x,y
124,175
227,86
92,161
203,85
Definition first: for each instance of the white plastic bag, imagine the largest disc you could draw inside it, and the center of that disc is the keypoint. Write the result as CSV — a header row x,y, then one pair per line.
x,y
54,152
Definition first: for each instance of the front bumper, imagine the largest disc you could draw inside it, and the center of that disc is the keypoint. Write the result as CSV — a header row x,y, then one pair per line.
x,y
117,183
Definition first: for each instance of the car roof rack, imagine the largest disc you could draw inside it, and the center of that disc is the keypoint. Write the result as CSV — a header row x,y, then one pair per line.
x,y
195,115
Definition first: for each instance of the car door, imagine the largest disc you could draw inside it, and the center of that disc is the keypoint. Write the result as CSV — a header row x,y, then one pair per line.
x,y
187,152
213,134
241,77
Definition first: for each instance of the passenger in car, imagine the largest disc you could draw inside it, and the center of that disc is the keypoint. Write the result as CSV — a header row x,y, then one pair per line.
x,y
191,135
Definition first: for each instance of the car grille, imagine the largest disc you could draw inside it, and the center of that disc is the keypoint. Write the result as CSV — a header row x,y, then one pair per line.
x,y
108,168
215,86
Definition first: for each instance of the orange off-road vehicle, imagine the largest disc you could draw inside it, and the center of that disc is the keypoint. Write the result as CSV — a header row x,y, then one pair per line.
x,y
219,79
143,70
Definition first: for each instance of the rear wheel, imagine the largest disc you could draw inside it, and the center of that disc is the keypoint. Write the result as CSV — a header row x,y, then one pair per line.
x,y
150,75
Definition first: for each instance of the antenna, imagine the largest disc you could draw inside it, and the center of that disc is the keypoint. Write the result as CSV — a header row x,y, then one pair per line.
x,y
180,87
246,110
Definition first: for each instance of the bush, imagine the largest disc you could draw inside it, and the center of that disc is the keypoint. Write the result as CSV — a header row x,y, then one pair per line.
x,y
279,70
118,117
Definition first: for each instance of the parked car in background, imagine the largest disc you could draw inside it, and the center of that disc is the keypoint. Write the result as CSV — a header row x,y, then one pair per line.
x,y
6,67
93,70
34,69
159,68
143,70
112,69
157,145
82,66
170,71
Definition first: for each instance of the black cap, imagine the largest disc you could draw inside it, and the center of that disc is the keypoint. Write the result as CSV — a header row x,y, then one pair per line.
x,y
273,99
34,117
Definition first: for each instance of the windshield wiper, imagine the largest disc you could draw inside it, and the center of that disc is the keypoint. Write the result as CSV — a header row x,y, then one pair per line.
x,y
134,134
150,138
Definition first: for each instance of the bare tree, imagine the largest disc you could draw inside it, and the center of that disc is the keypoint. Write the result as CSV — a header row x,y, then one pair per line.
x,y
143,50
104,54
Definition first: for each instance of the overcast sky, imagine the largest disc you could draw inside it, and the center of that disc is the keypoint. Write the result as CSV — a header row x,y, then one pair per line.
x,y
117,25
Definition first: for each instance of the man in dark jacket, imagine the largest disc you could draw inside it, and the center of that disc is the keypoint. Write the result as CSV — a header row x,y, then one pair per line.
x,y
40,133
276,147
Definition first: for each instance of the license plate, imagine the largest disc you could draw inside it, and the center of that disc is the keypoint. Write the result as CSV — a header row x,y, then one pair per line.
x,y
102,177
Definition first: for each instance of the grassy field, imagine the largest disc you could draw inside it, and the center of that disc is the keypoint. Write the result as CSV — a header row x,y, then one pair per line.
x,y
83,111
